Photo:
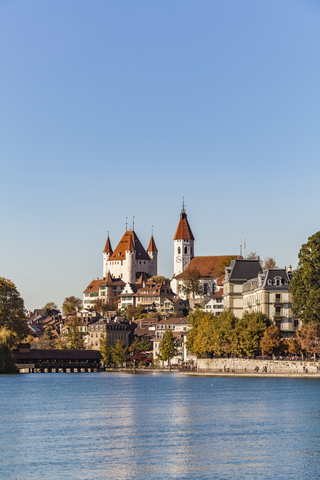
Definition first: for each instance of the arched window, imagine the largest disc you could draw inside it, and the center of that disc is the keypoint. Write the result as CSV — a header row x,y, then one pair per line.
x,y
185,250
179,250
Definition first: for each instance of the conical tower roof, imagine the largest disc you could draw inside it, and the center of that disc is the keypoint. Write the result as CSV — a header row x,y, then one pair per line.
x,y
108,248
129,242
183,231
152,245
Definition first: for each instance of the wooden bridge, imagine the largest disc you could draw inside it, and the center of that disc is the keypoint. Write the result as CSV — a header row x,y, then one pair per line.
x,y
29,360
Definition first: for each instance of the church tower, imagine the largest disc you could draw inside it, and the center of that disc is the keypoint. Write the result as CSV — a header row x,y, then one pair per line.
x,y
183,244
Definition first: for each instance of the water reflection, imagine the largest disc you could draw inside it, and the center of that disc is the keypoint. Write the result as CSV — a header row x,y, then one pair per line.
x,y
99,426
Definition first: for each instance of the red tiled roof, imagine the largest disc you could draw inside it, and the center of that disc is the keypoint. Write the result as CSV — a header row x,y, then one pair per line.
x,y
129,242
183,231
158,289
93,286
220,280
207,266
173,321
152,245
108,248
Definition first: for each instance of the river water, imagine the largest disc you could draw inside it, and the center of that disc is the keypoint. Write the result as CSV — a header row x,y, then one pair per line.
x,y
158,426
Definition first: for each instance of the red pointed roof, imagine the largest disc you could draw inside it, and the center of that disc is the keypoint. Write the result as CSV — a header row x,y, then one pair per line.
x,y
108,248
152,245
184,231
129,242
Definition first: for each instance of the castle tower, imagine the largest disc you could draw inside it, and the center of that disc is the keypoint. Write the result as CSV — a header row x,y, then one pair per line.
x,y
183,244
153,254
107,252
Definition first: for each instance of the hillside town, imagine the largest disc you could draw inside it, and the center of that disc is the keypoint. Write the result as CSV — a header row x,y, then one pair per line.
x,y
132,310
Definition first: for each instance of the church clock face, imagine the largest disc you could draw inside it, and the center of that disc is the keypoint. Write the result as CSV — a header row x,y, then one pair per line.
x,y
178,259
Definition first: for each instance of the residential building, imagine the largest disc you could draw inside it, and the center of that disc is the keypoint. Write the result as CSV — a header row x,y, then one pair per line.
x,y
151,295
269,293
179,328
105,289
214,303
171,306
237,274
112,330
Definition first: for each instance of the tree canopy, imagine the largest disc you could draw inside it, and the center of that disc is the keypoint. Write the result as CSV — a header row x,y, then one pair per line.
x,y
12,312
309,338
225,334
253,255
73,339
168,347
7,339
225,263
119,353
105,349
46,341
192,283
305,284
269,262
271,341
70,304
50,306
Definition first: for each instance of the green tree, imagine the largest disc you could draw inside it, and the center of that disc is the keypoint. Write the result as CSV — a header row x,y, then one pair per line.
x,y
269,262
309,338
135,312
161,279
168,347
293,345
7,340
74,338
248,333
210,334
143,344
305,284
253,255
119,353
105,350
50,306
70,304
191,283
12,312
46,341
225,263
271,342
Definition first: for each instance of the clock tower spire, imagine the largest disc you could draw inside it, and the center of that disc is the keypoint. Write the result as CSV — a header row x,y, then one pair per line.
x,y
183,243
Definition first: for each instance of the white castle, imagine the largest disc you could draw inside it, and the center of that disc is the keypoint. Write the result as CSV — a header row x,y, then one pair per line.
x,y
130,259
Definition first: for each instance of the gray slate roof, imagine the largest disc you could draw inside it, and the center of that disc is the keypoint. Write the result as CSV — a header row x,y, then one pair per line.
x,y
243,269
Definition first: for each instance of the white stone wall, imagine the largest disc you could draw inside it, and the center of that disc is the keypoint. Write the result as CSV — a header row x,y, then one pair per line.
x,y
238,365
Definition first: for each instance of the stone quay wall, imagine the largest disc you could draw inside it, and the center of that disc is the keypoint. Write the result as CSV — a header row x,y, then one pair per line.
x,y
243,365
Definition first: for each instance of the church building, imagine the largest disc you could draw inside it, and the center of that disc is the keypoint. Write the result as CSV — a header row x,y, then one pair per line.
x,y
211,268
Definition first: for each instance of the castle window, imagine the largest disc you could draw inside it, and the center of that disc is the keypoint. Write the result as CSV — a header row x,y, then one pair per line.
x,y
179,250
185,249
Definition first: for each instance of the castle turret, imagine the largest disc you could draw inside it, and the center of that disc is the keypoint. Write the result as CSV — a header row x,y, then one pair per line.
x,y
153,254
107,252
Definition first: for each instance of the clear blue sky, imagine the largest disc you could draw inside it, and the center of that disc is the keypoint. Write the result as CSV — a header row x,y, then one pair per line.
x,y
113,109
